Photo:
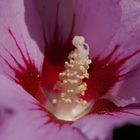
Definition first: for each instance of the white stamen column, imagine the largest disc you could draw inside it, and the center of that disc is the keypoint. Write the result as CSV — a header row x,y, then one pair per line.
x,y
69,105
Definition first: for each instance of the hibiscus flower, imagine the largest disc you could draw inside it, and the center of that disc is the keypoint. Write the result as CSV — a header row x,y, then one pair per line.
x,y
69,69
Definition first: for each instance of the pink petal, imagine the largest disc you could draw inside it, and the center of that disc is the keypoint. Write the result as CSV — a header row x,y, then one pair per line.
x,y
12,18
22,119
131,87
33,23
129,31
128,37
101,126
96,20
56,13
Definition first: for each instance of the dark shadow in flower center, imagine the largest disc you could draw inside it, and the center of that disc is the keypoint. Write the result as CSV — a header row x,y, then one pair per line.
x,y
43,21
57,51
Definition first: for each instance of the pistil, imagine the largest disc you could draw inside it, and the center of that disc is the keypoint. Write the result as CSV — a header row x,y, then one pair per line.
x,y
69,105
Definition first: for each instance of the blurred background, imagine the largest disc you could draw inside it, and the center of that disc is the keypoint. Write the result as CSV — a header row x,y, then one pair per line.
x,y
127,132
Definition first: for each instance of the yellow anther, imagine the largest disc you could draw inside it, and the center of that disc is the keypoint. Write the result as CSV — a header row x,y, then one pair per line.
x,y
75,72
82,93
82,87
67,70
89,61
71,61
70,91
68,74
54,101
80,77
68,65
83,102
65,81
75,55
67,100
62,74
82,68
62,94
86,75
73,81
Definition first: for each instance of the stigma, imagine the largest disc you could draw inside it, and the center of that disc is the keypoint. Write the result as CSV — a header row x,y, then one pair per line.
x,y
68,104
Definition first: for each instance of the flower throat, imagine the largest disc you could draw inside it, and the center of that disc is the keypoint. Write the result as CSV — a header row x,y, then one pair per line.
x,y
68,105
